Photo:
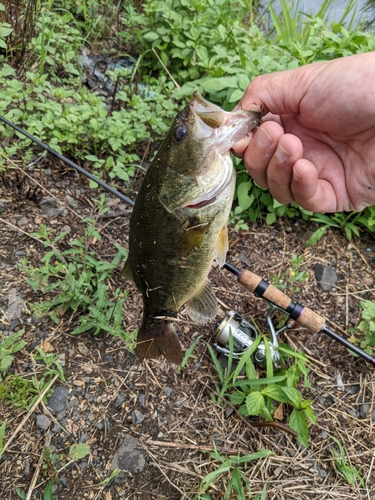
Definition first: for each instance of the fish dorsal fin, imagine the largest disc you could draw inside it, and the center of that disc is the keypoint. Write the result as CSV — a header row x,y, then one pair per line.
x,y
203,306
222,246
127,272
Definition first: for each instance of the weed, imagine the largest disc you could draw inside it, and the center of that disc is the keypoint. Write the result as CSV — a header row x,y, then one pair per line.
x,y
364,334
257,396
351,474
232,471
76,279
293,277
8,346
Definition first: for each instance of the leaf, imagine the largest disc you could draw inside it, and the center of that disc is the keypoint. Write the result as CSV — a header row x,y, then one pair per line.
x,y
244,200
212,477
294,396
276,392
271,218
297,422
79,451
5,362
48,491
237,397
254,403
316,236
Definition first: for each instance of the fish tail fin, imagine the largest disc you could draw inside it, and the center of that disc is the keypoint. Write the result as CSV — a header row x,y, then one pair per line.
x,y
158,339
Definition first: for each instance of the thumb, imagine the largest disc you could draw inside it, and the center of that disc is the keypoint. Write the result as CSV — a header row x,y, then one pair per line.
x,y
280,93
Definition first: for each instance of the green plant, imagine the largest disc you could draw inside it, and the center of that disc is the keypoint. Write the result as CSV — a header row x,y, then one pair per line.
x,y
257,396
2,435
351,474
74,279
364,334
292,277
232,471
9,345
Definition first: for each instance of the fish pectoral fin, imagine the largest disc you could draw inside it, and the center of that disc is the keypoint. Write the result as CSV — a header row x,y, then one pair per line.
x,y
222,246
127,272
203,306
192,239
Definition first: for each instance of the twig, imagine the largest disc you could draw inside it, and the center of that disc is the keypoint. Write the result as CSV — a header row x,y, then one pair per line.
x,y
166,69
205,447
37,469
29,413
22,231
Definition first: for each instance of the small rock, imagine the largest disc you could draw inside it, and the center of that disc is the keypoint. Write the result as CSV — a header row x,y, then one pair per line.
x,y
15,304
130,456
228,412
141,399
277,471
168,391
84,438
26,470
22,221
363,410
353,389
2,207
42,422
137,417
353,413
13,324
103,425
47,347
242,257
20,253
325,276
48,206
373,416
58,401
321,472
324,434
120,399
108,358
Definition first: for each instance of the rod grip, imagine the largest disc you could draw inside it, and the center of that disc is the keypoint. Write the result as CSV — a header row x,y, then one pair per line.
x,y
306,317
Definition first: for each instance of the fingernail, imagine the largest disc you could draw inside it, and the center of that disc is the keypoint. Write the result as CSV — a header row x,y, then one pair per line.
x,y
282,154
264,139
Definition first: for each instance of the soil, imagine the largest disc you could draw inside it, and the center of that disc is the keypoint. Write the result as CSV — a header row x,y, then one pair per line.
x,y
110,397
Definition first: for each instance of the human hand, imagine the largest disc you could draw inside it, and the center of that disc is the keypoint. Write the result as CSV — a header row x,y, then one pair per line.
x,y
316,145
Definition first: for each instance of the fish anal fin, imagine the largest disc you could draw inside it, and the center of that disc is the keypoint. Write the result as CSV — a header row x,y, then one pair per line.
x,y
203,306
222,246
127,272
158,339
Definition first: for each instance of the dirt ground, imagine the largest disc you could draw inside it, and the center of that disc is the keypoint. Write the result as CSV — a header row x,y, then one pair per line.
x,y
110,396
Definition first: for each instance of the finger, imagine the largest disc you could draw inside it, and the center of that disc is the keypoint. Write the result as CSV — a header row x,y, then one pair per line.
x,y
260,150
310,192
280,169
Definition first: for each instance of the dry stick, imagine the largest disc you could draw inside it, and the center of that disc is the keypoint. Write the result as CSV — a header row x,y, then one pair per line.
x,y
166,69
29,413
37,469
164,474
205,447
278,425
21,230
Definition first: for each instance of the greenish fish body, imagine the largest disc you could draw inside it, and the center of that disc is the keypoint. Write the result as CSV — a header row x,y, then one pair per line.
x,y
179,222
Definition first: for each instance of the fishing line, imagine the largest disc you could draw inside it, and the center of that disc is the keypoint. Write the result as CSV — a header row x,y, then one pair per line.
x,y
302,315
69,162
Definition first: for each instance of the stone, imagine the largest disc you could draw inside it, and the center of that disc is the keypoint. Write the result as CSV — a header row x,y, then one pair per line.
x,y
58,401
42,421
325,276
363,410
48,206
130,456
137,417
120,399
168,391
15,304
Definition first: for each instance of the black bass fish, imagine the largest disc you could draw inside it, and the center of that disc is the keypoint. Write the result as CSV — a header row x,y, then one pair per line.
x,y
179,222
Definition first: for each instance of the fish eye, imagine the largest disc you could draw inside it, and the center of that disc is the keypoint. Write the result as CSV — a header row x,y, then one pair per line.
x,y
180,133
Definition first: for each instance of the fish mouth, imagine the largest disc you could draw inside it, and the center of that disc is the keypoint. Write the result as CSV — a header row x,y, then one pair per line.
x,y
209,197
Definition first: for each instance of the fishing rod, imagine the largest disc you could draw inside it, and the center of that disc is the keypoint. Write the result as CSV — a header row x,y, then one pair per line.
x,y
302,316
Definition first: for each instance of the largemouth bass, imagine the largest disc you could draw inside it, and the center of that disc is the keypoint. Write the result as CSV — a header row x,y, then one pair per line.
x,y
179,222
